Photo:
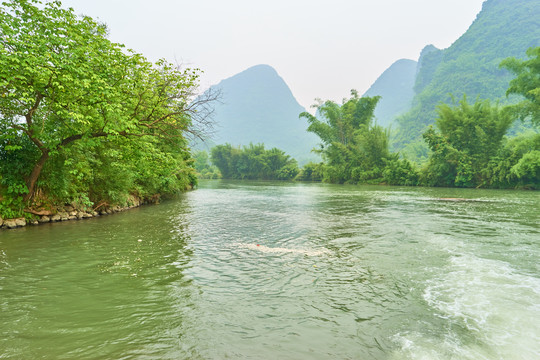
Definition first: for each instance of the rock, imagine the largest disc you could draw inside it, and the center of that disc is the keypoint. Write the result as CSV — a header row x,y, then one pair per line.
x,y
1,221
69,208
10,223
56,217
44,219
95,213
63,215
34,222
80,215
86,215
14,223
72,217
73,213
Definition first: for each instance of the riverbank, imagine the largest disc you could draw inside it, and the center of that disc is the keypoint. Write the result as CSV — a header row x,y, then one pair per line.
x,y
70,212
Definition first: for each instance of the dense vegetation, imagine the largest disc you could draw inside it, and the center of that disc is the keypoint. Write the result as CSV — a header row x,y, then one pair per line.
x,y
83,120
469,145
527,84
468,139
253,162
204,167
353,147
504,28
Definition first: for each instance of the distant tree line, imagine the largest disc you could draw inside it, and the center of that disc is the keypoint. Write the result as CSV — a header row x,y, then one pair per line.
x,y
253,162
469,145
85,121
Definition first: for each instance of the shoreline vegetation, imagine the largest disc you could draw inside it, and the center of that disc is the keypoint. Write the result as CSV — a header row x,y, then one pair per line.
x,y
88,123
85,121
69,212
470,145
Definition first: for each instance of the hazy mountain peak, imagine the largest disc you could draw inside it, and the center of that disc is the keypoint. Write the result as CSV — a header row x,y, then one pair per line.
x,y
256,81
257,73
425,51
258,106
260,70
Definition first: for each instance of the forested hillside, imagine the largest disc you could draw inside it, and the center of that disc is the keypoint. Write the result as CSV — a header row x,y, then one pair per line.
x,y
469,143
504,28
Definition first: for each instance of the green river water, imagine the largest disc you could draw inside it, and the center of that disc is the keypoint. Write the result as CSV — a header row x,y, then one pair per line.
x,y
266,270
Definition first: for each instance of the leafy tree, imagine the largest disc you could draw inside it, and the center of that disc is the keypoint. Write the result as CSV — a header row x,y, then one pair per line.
x,y
225,157
469,137
62,82
288,171
526,83
353,147
516,164
528,168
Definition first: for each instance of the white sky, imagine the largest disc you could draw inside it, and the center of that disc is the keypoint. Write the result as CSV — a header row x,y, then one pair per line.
x,y
322,49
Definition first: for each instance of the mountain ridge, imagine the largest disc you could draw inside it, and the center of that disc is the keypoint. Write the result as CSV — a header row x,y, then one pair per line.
x,y
257,106
395,86
502,29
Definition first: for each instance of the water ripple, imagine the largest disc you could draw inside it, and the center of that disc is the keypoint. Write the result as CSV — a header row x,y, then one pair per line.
x,y
261,270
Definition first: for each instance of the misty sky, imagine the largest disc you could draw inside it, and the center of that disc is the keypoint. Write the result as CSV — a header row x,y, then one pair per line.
x,y
322,49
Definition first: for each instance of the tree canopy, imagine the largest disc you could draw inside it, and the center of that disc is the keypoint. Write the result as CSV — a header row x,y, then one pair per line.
x,y
526,83
469,146
353,147
470,136
62,82
253,162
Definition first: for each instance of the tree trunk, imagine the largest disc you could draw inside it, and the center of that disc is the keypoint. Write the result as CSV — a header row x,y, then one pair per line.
x,y
31,182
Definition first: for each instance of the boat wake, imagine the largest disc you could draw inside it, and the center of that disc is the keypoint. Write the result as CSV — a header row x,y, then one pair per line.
x,y
281,250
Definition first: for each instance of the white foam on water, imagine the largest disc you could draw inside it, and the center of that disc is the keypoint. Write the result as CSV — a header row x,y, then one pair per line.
x,y
3,258
498,308
281,250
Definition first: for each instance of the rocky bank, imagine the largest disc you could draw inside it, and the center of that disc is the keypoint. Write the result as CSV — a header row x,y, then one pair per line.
x,y
69,212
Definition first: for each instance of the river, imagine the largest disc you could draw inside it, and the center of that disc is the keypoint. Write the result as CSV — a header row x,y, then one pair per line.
x,y
271,270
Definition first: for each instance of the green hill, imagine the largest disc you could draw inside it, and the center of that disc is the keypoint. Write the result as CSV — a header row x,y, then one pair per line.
x,y
469,66
395,86
257,106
